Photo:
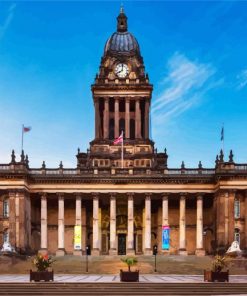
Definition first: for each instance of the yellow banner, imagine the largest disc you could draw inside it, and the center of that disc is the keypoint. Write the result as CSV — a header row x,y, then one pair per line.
x,y
77,237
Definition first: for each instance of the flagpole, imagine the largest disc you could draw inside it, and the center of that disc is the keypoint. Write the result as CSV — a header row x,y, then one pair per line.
x,y
223,142
122,151
22,137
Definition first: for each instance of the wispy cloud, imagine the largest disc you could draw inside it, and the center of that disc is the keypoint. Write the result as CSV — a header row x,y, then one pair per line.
x,y
242,79
6,22
185,83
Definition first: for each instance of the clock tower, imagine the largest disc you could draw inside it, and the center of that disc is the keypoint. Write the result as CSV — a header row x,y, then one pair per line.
x,y
122,97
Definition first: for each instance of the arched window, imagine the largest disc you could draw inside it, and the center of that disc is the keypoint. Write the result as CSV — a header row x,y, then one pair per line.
x,y
6,208
6,236
237,235
236,208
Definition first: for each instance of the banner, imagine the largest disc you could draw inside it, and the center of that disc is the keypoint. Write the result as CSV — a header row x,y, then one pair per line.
x,y
77,237
165,237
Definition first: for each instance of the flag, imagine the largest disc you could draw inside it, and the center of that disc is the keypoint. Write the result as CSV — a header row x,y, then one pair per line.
x,y
26,129
222,134
119,139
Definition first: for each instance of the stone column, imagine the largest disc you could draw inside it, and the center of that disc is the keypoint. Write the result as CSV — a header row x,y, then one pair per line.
x,y
137,119
130,236
220,197
226,211
182,226
84,230
113,248
146,128
43,236
116,118
245,216
106,119
199,227
127,118
78,252
231,227
17,221
148,249
12,224
95,251
165,220
61,250
97,119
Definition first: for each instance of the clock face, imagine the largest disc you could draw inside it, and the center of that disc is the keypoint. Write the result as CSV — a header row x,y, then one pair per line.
x,y
121,70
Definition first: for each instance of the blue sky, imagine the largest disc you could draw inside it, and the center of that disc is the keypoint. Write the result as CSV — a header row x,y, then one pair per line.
x,y
194,52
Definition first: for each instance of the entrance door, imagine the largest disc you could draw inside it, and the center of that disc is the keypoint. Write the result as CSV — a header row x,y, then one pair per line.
x,y
122,244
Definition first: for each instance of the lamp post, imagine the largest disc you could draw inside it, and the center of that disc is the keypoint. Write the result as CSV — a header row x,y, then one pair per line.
x,y
86,258
155,250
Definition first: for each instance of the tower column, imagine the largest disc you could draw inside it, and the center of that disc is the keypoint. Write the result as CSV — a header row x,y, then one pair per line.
x,y
43,237
182,226
199,227
116,119
130,235
146,128
60,251
148,250
78,220
127,118
137,119
106,118
97,119
95,251
113,249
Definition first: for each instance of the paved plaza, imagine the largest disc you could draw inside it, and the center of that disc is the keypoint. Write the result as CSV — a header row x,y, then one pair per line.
x,y
69,278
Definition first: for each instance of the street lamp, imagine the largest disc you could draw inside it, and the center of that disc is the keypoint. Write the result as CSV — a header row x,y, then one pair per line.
x,y
155,251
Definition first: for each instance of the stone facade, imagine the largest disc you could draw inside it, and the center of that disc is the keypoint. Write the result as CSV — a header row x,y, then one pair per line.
x,y
122,195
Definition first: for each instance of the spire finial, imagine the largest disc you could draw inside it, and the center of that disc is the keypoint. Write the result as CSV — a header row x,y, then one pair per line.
x,y
122,8
122,21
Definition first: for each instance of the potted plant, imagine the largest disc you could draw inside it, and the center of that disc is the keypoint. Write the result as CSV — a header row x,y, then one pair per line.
x,y
216,274
129,276
42,263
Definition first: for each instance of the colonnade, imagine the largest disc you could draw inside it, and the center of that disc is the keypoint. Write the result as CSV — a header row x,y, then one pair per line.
x,y
127,117
130,226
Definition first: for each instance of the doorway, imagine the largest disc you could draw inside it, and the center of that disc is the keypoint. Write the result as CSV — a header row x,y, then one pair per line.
x,y
121,244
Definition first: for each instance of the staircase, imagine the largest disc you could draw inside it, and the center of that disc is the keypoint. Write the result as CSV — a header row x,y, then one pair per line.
x,y
119,289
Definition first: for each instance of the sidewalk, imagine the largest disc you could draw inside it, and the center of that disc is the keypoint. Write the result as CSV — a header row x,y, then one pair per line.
x,y
70,278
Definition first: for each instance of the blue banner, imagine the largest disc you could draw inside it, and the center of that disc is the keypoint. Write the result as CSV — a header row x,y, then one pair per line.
x,y
165,237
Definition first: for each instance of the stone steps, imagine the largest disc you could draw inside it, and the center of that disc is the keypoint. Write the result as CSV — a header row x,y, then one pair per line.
x,y
119,289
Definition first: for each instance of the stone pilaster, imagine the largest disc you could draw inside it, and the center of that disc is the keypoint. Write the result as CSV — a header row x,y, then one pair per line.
x,y
130,235
61,250
113,245
245,217
96,240
84,230
231,227
165,217
106,119
97,118
78,222
182,225
137,119
116,117
147,119
148,249
127,118
43,236
220,217
17,221
199,227
12,222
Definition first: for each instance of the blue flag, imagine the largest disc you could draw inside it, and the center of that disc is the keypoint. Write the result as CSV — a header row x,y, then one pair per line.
x,y
222,134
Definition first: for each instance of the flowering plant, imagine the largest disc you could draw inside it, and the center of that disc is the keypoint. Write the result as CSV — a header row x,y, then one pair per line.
x,y
42,262
219,263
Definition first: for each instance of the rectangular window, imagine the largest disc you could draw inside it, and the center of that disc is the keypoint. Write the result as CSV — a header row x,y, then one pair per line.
x,y
6,208
237,208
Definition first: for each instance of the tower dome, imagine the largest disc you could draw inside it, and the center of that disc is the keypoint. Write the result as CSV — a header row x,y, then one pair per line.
x,y
122,41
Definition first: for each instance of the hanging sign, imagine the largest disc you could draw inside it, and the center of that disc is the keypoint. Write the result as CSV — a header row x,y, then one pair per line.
x,y
77,237
165,237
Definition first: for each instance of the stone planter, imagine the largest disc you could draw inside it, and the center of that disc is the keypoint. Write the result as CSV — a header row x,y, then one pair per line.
x,y
38,276
216,276
129,276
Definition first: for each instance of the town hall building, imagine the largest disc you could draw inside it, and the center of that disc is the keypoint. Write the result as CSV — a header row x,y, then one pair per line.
x,y
123,198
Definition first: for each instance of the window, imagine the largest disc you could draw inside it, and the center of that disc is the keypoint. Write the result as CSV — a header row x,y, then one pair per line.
x,y
237,235
237,208
6,236
6,208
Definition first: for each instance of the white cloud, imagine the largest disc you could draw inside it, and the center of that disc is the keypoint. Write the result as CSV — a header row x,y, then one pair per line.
x,y
185,83
242,79
10,14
